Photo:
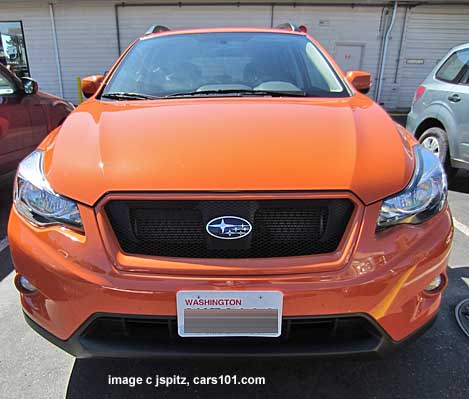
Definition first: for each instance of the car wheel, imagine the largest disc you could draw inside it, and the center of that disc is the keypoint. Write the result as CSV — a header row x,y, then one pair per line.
x,y
436,140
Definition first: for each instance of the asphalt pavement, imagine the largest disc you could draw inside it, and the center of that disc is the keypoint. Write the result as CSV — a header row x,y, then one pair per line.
x,y
435,366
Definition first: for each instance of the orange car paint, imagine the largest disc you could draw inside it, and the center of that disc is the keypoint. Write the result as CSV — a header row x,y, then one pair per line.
x,y
384,276
294,148
109,157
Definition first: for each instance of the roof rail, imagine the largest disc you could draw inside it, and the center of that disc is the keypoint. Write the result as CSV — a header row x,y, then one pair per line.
x,y
292,27
288,26
156,29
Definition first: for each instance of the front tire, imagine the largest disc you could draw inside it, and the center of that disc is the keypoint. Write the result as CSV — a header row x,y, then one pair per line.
x,y
435,139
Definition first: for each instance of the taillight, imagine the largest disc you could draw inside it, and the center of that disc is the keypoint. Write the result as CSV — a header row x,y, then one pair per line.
x,y
419,93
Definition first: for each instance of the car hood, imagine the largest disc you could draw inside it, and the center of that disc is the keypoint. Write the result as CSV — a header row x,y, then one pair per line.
x,y
228,144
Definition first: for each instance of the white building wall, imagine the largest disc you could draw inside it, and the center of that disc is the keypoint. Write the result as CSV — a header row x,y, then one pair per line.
x,y
134,21
87,35
390,84
87,41
38,38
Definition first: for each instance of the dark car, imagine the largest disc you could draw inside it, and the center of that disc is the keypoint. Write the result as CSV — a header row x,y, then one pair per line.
x,y
26,116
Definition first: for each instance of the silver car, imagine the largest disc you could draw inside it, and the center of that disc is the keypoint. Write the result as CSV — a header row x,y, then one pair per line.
x,y
439,118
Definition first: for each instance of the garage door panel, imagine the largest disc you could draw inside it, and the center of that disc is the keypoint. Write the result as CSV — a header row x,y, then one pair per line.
x,y
134,21
431,33
87,42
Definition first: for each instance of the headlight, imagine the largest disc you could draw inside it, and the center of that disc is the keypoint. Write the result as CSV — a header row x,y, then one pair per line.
x,y
36,200
424,196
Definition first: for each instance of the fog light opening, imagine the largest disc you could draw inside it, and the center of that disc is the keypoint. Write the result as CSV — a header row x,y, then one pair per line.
x,y
436,285
24,285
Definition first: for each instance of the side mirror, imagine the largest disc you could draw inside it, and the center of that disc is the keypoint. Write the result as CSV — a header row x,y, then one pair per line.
x,y
360,80
30,86
90,84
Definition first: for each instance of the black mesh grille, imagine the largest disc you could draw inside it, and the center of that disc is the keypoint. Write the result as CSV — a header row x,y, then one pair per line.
x,y
280,227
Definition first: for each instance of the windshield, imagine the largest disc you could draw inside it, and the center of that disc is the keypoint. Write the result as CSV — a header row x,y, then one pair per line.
x,y
227,63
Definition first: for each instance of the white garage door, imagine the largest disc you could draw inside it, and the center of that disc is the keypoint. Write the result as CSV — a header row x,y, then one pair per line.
x,y
431,33
134,21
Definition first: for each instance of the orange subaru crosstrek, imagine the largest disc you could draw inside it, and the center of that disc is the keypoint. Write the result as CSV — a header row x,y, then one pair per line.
x,y
229,192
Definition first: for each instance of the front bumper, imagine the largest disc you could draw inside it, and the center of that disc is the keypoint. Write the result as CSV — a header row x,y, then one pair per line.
x,y
382,279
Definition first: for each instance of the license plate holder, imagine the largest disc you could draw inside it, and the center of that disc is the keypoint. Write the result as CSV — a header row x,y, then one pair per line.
x,y
229,313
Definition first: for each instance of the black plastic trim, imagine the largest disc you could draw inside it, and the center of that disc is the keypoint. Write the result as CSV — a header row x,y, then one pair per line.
x,y
79,348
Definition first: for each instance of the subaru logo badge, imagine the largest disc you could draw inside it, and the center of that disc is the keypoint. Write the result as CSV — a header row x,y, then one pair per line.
x,y
229,227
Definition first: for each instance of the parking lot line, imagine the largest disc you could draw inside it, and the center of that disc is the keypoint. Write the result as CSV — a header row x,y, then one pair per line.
x,y
466,280
461,227
3,244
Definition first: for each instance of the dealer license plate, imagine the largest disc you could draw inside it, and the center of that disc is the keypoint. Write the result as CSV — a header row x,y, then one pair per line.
x,y
229,313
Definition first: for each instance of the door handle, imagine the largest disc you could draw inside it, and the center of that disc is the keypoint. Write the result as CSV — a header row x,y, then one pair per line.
x,y
454,98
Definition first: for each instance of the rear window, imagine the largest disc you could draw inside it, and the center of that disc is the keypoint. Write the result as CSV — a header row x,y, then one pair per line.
x,y
167,65
453,69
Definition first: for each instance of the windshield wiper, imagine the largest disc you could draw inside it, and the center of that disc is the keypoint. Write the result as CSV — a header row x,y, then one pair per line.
x,y
240,92
121,95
